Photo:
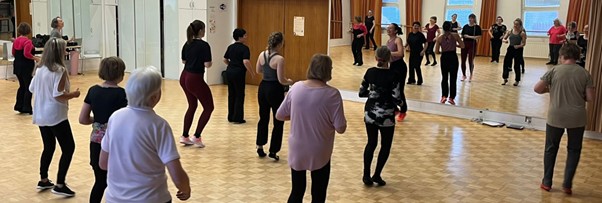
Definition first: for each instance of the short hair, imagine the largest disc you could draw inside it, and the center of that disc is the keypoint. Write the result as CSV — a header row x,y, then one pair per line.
x,y
142,84
434,18
383,55
416,23
500,17
238,33
454,15
24,29
570,51
573,24
320,68
358,19
111,68
447,26
55,22
54,54
472,15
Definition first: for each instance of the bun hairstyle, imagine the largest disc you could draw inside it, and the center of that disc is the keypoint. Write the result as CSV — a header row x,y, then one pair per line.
x,y
275,39
398,30
447,26
193,30
383,56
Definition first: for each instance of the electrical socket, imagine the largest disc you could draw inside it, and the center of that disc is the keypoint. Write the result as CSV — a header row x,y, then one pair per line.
x,y
528,119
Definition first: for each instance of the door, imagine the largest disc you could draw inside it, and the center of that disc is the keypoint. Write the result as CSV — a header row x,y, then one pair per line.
x,y
199,4
185,4
39,11
184,20
111,31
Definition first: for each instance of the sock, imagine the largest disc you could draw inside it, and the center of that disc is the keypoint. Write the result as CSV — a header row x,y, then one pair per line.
x,y
59,185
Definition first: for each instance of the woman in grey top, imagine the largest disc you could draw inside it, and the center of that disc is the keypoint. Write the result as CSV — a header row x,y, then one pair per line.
x,y
517,39
57,25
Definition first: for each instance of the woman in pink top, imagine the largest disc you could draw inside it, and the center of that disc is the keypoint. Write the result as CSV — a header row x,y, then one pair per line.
x,y
315,110
23,67
557,35
359,30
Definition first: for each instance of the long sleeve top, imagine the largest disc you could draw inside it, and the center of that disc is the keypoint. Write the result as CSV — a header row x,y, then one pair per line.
x,y
383,90
23,43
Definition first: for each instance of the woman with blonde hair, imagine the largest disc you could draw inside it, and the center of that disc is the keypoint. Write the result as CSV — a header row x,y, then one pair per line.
x,y
517,39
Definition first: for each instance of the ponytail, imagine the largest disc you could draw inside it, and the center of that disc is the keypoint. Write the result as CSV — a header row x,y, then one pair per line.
x,y
193,30
398,30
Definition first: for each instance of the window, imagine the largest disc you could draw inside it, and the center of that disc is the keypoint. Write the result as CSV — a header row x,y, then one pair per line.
x,y
390,13
462,8
539,15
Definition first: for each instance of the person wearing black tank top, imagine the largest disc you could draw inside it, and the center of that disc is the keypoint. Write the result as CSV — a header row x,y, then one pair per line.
x,y
369,22
455,24
271,94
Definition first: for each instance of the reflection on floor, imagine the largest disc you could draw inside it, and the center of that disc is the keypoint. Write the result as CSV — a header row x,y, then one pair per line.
x,y
484,92
434,158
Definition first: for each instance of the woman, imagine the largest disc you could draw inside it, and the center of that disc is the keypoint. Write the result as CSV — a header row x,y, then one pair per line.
x,y
382,87
23,67
237,58
517,39
271,94
311,136
397,64
582,43
139,144
449,62
496,33
57,25
417,44
455,25
470,33
102,100
359,30
369,22
432,32
51,89
196,56
557,35
572,35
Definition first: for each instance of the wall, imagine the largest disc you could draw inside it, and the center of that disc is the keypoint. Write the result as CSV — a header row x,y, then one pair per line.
x,y
346,11
221,38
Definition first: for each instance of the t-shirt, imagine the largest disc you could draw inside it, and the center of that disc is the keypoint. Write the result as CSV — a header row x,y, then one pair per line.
x,y
567,84
48,111
498,31
455,25
554,32
383,90
104,101
474,30
237,53
312,135
431,32
369,22
196,54
416,42
139,143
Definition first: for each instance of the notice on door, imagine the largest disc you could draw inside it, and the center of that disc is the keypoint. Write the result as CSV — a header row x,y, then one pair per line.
x,y
299,26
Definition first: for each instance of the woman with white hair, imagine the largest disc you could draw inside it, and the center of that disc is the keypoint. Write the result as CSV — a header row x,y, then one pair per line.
x,y
139,144
557,35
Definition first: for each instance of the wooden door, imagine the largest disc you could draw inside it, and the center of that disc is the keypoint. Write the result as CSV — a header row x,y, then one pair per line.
x,y
22,14
259,19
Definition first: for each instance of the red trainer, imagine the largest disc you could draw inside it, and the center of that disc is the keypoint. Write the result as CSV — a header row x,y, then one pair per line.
x,y
401,117
567,191
443,100
451,101
546,188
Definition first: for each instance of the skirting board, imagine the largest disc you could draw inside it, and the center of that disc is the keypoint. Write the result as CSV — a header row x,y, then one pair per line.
x,y
529,122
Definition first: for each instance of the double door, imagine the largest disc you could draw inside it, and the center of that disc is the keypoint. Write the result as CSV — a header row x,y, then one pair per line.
x,y
188,11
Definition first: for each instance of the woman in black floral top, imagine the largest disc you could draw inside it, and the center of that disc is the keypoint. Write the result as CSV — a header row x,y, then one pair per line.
x,y
382,87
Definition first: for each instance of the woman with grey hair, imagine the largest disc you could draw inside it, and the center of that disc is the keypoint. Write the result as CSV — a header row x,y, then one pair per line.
x,y
57,25
149,138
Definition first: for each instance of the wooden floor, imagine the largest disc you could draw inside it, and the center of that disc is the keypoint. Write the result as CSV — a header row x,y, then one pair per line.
x,y
484,92
434,158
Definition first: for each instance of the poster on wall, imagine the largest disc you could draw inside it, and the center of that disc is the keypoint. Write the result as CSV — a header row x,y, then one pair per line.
x,y
299,26
212,23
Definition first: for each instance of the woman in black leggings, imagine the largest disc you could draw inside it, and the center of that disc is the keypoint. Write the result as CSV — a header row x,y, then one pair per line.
x,y
359,32
517,39
432,33
449,62
417,44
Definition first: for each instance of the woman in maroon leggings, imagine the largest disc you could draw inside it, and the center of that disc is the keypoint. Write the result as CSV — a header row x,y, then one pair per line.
x,y
196,56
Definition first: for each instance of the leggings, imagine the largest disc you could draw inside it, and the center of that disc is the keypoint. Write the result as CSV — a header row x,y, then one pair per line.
x,y
429,51
23,101
517,56
196,89
469,52
415,60
356,48
100,175
270,96
575,141
319,184
449,74
385,147
370,38
401,67
63,134
496,45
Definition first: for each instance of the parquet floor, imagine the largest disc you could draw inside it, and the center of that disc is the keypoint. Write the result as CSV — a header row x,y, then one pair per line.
x,y
484,92
434,159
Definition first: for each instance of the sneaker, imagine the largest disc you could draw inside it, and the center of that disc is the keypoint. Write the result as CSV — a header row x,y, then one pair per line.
x,y
65,191
550,63
567,191
186,141
401,117
463,78
546,188
198,142
451,101
434,63
45,185
443,100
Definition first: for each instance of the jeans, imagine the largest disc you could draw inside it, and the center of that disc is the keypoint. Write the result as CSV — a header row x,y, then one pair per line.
x,y
553,137
319,184
554,53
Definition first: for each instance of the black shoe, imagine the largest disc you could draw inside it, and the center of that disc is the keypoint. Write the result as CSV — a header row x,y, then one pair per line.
x,y
379,181
239,122
427,63
355,64
261,153
434,64
515,83
367,180
65,191
360,64
419,83
523,71
549,63
45,185
411,83
274,156
505,82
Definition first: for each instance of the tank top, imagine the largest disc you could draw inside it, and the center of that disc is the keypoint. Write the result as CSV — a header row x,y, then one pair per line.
x,y
514,39
448,43
269,74
393,48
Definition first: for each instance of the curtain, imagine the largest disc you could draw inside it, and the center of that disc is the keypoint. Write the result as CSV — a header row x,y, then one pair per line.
x,y
594,65
336,19
579,12
488,16
361,7
413,14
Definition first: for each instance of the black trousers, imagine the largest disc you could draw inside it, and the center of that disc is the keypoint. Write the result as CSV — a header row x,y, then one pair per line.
x,y
401,67
356,48
517,56
370,38
236,95
270,96
496,45
319,184
553,137
449,74
415,60
23,101
554,52
429,51
100,176
63,134
385,147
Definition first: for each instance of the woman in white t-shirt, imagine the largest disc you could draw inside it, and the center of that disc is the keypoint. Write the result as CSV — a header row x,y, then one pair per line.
x,y
50,87
138,144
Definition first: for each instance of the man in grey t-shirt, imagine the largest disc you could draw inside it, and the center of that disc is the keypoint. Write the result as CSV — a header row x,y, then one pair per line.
x,y
570,86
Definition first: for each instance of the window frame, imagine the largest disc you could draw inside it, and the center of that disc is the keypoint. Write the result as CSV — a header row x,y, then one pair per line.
x,y
464,6
389,4
525,9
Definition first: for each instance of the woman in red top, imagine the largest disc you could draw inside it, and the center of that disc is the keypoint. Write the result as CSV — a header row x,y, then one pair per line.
x,y
23,67
557,35
359,31
432,32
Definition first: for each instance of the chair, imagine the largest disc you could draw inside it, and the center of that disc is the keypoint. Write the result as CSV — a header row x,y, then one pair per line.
x,y
7,56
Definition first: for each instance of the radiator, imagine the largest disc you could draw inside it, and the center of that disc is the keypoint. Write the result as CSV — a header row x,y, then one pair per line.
x,y
536,48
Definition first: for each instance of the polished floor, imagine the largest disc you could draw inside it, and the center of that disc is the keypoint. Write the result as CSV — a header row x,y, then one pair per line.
x,y
484,92
434,158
